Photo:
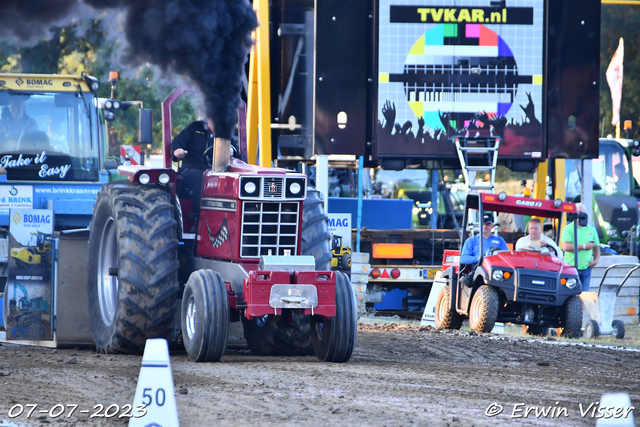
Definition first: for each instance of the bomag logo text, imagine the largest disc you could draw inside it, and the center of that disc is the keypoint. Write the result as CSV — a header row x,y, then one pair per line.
x,y
39,82
529,203
36,219
454,14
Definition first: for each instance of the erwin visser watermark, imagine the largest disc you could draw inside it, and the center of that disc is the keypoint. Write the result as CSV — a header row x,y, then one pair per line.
x,y
583,410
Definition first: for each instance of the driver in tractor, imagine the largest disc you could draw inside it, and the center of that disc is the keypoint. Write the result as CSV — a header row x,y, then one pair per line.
x,y
189,146
471,250
14,122
536,241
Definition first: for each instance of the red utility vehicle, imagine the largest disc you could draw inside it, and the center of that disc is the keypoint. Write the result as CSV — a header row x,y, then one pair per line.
x,y
531,288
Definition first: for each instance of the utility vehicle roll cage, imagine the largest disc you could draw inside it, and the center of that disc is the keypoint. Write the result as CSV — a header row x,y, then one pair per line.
x,y
501,202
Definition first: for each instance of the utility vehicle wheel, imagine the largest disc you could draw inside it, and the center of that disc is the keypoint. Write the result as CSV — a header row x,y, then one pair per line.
x,y
484,309
335,338
445,317
591,329
205,316
133,267
535,330
281,336
618,329
572,318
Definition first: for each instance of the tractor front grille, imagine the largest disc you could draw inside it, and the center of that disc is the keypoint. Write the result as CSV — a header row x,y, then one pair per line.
x,y
273,187
537,282
269,227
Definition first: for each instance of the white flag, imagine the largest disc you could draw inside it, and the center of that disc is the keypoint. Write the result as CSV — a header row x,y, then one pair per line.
x,y
614,78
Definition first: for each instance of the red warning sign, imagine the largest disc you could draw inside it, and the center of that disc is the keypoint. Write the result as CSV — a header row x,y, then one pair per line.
x,y
133,151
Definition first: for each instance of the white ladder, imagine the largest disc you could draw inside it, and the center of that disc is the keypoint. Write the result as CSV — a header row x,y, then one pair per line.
x,y
478,155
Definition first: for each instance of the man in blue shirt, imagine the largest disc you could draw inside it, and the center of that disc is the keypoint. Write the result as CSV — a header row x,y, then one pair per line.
x,y
471,249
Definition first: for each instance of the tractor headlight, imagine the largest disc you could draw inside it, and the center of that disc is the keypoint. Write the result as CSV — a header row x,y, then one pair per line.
x,y
497,275
164,178
502,196
250,187
116,105
557,203
571,283
108,104
295,188
144,178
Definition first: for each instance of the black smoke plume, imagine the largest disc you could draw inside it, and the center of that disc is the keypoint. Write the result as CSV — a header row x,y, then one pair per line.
x,y
206,40
31,19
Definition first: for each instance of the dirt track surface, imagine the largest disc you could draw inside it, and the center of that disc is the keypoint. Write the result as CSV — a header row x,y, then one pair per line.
x,y
398,375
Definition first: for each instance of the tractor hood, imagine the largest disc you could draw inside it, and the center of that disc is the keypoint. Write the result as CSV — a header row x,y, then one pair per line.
x,y
529,260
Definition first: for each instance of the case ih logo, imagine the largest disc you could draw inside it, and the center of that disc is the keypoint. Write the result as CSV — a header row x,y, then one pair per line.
x,y
19,81
529,203
272,187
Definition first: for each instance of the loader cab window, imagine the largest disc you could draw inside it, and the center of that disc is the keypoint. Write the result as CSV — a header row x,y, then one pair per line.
x,y
48,136
610,172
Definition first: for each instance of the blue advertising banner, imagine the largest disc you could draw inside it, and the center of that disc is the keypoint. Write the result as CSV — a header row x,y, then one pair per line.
x,y
28,299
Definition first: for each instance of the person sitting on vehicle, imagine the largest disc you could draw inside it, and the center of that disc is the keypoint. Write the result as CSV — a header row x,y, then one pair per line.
x,y
536,241
471,250
189,146
17,121
622,178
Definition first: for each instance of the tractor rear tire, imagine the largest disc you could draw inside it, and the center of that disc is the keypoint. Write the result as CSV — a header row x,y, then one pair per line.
x,y
484,309
205,316
279,336
316,239
445,317
133,267
618,329
572,318
335,338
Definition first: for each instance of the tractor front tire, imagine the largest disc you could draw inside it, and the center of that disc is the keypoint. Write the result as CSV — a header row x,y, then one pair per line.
x,y
205,316
133,267
572,318
445,316
484,309
335,338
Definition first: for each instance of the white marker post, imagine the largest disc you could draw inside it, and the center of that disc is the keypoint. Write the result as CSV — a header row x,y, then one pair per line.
x,y
616,410
155,388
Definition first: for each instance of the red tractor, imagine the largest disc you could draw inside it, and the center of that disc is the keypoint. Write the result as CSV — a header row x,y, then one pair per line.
x,y
260,255
535,289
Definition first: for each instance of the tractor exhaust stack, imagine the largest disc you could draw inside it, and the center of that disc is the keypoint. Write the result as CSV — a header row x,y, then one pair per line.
x,y
221,154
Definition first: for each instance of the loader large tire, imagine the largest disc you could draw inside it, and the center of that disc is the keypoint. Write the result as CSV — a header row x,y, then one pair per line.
x,y
275,335
205,316
133,267
335,338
